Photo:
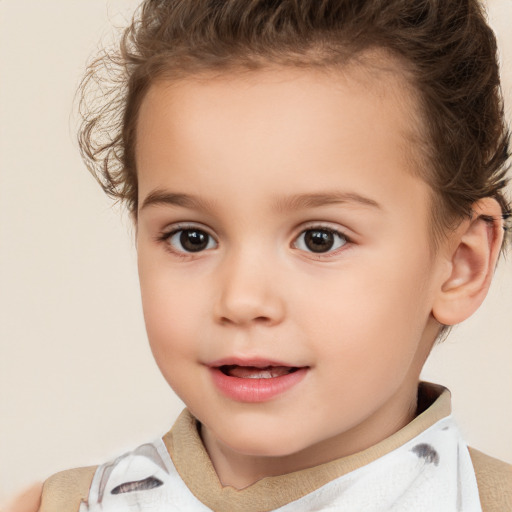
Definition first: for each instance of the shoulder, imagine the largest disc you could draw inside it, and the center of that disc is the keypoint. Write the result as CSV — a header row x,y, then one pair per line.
x,y
64,491
494,478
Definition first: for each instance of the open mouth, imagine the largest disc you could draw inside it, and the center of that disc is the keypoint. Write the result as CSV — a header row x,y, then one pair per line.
x,y
253,372
255,381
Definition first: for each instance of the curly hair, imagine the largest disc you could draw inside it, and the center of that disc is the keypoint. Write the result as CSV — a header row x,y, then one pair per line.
x,y
446,47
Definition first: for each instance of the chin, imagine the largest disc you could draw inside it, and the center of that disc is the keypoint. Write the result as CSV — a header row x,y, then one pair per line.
x,y
255,444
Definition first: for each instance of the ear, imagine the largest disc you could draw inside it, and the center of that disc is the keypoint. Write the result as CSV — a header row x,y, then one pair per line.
x,y
472,254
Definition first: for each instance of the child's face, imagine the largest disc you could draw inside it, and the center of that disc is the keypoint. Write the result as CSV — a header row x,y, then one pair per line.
x,y
280,225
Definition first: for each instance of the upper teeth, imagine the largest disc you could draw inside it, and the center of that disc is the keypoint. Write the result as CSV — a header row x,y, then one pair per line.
x,y
263,374
251,372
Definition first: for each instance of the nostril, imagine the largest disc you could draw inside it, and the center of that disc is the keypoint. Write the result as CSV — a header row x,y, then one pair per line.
x,y
237,319
262,319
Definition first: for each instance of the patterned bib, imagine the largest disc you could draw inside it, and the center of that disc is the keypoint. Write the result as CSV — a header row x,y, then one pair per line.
x,y
430,473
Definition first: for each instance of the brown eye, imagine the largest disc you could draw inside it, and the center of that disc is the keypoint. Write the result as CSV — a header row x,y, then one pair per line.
x,y
320,240
191,240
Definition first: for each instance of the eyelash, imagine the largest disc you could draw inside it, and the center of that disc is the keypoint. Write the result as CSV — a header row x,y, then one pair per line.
x,y
165,237
325,229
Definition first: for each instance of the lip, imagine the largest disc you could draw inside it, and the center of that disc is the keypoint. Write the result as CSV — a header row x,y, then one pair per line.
x,y
253,390
258,362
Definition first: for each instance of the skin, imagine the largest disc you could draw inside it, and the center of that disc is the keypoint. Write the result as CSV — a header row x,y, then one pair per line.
x,y
28,501
359,317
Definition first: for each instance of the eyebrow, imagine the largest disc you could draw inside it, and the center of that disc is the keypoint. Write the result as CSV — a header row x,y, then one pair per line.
x,y
316,200
162,197
281,203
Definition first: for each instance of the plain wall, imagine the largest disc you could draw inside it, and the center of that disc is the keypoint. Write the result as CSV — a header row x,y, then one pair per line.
x,y
78,384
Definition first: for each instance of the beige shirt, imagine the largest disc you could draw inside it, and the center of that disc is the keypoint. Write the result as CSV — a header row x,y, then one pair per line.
x,y
64,491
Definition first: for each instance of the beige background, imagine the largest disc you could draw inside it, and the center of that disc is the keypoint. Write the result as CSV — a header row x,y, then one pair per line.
x,y
77,381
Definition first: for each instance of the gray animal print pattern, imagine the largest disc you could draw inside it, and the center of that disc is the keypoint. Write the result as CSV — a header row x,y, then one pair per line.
x,y
141,480
431,473
427,452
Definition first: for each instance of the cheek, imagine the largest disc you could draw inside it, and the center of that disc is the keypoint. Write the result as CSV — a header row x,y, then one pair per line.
x,y
373,313
171,309
172,333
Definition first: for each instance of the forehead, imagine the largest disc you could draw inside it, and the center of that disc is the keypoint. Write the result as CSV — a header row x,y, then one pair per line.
x,y
373,82
278,129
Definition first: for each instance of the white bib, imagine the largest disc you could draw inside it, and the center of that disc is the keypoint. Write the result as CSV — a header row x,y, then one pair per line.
x,y
432,472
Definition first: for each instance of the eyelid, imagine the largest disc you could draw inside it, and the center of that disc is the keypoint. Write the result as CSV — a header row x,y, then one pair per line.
x,y
328,226
181,226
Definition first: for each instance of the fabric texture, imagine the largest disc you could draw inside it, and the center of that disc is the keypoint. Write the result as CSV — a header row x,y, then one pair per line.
x,y
494,478
180,462
432,472
64,491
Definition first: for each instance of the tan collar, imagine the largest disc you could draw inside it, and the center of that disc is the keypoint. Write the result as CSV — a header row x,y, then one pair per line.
x,y
195,468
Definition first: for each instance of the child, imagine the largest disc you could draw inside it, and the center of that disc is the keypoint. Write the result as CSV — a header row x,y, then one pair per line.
x,y
317,189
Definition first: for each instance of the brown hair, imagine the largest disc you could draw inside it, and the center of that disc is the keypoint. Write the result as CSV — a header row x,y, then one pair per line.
x,y
446,46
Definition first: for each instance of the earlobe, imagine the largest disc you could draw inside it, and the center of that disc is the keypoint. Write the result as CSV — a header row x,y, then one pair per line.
x,y
473,255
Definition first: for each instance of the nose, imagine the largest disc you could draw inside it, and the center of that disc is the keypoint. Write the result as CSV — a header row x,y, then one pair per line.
x,y
249,292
